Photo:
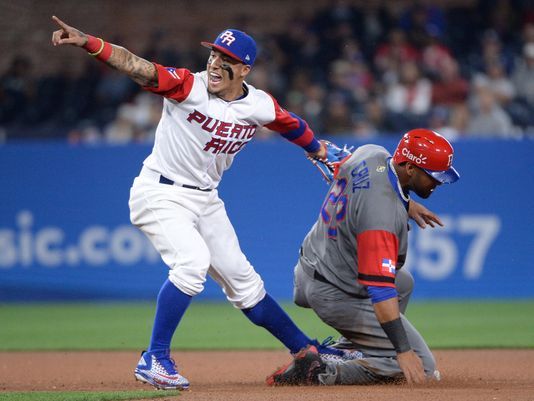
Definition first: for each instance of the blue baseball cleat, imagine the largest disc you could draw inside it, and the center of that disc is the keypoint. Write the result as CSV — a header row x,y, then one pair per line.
x,y
160,372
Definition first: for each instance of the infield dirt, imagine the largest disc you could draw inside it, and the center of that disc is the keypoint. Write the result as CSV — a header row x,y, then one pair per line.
x,y
470,375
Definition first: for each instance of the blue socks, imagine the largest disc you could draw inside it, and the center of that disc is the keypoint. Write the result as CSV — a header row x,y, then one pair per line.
x,y
171,306
268,314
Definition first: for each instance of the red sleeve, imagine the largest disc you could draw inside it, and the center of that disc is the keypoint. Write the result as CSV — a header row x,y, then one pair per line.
x,y
173,83
293,128
377,256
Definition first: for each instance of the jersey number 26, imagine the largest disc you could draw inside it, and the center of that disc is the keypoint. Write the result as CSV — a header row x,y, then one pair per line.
x,y
334,208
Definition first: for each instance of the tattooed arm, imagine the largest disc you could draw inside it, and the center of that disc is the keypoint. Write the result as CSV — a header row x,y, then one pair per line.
x,y
137,68
140,70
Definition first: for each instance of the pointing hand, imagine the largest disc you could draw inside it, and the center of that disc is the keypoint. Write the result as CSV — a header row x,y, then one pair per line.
x,y
67,35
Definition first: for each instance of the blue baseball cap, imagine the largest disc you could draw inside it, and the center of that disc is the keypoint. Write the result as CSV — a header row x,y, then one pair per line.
x,y
236,44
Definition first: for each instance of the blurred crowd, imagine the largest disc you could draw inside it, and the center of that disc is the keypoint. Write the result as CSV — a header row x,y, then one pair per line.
x,y
364,70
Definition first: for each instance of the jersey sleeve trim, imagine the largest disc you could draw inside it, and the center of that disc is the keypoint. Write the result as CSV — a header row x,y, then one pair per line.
x,y
302,136
379,294
173,83
293,128
375,279
377,256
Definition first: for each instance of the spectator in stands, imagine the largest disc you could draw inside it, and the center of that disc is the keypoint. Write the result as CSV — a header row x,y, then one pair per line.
x,y
521,108
435,56
375,22
113,90
351,74
523,76
459,117
79,100
489,119
450,87
392,54
501,16
439,121
336,23
84,133
136,121
408,101
355,49
491,51
527,34
372,121
313,106
17,88
421,20
495,79
341,83
338,116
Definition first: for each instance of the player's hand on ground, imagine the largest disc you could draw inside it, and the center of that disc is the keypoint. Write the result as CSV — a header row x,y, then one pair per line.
x,y
67,35
412,367
422,216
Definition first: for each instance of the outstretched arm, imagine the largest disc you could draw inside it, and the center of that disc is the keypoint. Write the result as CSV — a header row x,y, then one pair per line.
x,y
137,68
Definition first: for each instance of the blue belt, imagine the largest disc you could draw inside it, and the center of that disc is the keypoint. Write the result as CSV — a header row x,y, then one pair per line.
x,y
165,180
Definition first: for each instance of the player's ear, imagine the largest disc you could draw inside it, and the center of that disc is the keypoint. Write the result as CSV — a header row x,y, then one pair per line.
x,y
245,71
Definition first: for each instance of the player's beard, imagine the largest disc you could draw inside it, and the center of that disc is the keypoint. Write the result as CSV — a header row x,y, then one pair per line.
x,y
423,184
423,191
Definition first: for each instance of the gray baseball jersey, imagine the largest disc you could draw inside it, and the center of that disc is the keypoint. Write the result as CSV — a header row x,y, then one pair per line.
x,y
360,237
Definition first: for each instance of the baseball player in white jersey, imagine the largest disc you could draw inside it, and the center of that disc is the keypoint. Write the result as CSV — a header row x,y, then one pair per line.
x,y
208,117
349,271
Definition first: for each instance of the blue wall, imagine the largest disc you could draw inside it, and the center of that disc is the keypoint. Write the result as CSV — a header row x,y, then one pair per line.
x,y
65,232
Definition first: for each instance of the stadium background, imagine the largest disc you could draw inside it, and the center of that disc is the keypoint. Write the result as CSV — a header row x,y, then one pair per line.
x,y
75,133
76,276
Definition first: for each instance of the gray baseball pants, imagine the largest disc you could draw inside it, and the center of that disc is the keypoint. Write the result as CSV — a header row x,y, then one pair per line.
x,y
355,319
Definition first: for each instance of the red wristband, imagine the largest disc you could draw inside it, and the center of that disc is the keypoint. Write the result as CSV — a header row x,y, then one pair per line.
x,y
98,48
93,44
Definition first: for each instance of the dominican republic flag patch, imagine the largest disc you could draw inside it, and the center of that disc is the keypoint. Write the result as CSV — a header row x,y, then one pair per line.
x,y
388,265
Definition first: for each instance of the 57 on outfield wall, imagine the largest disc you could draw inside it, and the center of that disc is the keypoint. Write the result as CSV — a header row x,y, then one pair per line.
x,y
464,242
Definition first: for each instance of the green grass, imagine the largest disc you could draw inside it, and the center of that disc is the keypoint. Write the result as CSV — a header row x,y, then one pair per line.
x,y
219,326
475,324
85,396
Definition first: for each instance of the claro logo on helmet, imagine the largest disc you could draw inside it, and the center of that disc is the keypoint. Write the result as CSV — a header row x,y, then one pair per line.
x,y
416,159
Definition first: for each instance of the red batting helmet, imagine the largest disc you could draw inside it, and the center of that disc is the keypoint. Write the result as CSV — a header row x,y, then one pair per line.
x,y
429,151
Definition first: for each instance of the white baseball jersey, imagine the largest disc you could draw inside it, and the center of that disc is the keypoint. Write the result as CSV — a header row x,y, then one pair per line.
x,y
199,133
174,200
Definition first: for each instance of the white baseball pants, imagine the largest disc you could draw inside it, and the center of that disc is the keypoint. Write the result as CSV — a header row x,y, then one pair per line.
x,y
191,231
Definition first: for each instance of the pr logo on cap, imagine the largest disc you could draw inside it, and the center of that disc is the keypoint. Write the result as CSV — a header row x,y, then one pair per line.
x,y
236,44
227,37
